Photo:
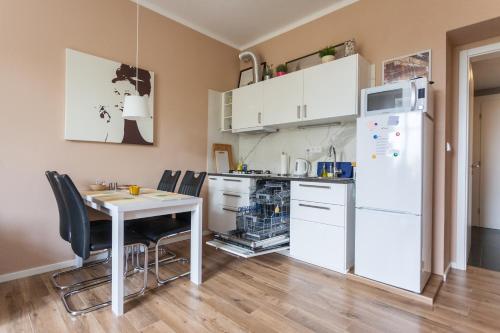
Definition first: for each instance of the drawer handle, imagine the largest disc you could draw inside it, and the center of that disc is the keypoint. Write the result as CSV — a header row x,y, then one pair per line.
x,y
212,178
231,195
230,210
312,206
315,186
232,180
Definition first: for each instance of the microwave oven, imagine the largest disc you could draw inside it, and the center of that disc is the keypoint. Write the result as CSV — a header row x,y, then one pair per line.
x,y
402,96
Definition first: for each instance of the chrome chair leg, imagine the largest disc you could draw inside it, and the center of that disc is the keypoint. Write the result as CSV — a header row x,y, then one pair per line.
x,y
55,277
77,312
159,279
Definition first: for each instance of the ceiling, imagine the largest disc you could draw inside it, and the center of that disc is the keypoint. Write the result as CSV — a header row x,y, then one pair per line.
x,y
243,23
486,73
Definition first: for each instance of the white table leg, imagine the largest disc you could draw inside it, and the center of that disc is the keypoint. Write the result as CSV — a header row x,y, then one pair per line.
x,y
117,264
196,243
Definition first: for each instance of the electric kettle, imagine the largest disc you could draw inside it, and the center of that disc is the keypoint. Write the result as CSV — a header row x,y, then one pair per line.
x,y
302,167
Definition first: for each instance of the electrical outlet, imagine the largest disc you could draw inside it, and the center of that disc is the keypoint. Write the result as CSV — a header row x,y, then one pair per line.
x,y
315,149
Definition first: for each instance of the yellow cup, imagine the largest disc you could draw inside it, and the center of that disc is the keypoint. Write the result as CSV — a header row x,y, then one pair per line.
x,y
134,189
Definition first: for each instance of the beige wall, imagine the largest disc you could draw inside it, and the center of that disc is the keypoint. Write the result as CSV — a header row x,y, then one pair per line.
x,y
384,29
33,38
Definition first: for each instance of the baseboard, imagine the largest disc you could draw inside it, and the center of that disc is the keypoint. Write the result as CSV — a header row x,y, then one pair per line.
x,y
36,270
68,263
446,271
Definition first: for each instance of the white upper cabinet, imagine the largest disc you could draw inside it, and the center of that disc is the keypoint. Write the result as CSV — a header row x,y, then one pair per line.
x,y
332,90
319,94
247,108
283,99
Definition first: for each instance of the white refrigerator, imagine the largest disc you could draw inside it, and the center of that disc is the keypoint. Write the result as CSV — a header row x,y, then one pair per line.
x,y
394,198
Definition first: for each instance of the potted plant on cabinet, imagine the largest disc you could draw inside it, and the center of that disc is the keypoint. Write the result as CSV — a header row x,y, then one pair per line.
x,y
281,70
327,54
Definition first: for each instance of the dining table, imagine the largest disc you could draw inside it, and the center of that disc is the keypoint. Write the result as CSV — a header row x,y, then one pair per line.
x,y
121,206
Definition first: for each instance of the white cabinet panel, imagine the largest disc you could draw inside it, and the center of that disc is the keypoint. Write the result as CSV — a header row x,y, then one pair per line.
x,y
282,99
221,219
319,192
318,212
239,185
318,244
247,107
331,89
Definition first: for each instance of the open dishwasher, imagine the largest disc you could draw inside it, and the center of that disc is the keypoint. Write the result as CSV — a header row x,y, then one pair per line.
x,y
263,226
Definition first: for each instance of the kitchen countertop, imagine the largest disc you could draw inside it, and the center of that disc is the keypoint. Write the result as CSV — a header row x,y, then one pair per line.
x,y
290,178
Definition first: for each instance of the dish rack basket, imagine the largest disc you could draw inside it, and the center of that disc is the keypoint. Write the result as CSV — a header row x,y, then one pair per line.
x,y
269,214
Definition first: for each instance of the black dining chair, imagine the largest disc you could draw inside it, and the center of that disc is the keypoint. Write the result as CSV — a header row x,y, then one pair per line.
x,y
65,233
163,228
168,180
85,240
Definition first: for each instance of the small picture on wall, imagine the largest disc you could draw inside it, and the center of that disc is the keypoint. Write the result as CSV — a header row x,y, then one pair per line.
x,y
407,67
246,75
95,91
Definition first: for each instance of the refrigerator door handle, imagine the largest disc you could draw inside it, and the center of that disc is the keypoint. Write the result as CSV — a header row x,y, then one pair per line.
x,y
388,211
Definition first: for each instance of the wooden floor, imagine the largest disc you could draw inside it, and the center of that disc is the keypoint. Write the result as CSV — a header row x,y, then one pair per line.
x,y
267,294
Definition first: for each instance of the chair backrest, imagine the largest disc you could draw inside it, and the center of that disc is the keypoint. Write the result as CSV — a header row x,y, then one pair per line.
x,y
80,225
192,184
169,180
64,227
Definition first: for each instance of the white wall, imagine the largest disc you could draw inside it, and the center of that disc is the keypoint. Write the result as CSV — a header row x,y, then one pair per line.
x,y
295,142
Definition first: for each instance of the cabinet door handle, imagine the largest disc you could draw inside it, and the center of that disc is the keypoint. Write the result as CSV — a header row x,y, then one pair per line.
x,y
315,186
259,117
305,110
230,210
298,111
313,206
232,180
231,195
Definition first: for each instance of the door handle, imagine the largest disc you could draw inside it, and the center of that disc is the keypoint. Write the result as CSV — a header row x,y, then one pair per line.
x,y
305,110
231,195
232,180
476,164
315,186
313,206
413,96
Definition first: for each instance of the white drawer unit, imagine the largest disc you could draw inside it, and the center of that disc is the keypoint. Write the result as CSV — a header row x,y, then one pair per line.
x,y
221,218
318,212
318,244
322,224
319,192
225,195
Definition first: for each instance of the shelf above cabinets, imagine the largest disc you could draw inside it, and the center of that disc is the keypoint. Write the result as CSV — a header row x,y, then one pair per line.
x,y
320,94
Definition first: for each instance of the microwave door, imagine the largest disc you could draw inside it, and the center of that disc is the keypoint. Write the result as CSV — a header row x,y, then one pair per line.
x,y
389,98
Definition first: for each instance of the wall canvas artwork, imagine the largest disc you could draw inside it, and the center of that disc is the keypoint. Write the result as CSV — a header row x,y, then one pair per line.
x,y
95,90
407,67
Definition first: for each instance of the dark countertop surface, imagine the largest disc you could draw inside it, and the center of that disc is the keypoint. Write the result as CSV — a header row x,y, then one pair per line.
x,y
290,178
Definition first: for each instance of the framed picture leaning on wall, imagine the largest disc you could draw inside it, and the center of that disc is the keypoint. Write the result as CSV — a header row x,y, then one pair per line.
x,y
407,67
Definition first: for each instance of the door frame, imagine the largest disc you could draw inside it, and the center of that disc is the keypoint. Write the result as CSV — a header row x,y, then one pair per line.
x,y
466,57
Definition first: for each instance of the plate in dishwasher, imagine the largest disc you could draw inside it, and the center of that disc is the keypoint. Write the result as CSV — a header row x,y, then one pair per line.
x,y
244,252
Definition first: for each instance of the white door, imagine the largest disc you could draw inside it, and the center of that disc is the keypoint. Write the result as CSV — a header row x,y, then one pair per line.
x,y
490,163
247,107
331,90
388,248
389,162
282,99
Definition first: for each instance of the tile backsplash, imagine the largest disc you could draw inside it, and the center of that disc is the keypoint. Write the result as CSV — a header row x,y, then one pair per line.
x,y
263,151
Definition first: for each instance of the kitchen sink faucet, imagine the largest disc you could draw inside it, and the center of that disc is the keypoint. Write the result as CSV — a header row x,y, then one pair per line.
x,y
333,152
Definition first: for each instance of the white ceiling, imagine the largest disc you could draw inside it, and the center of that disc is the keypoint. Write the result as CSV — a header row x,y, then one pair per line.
x,y
486,73
243,23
